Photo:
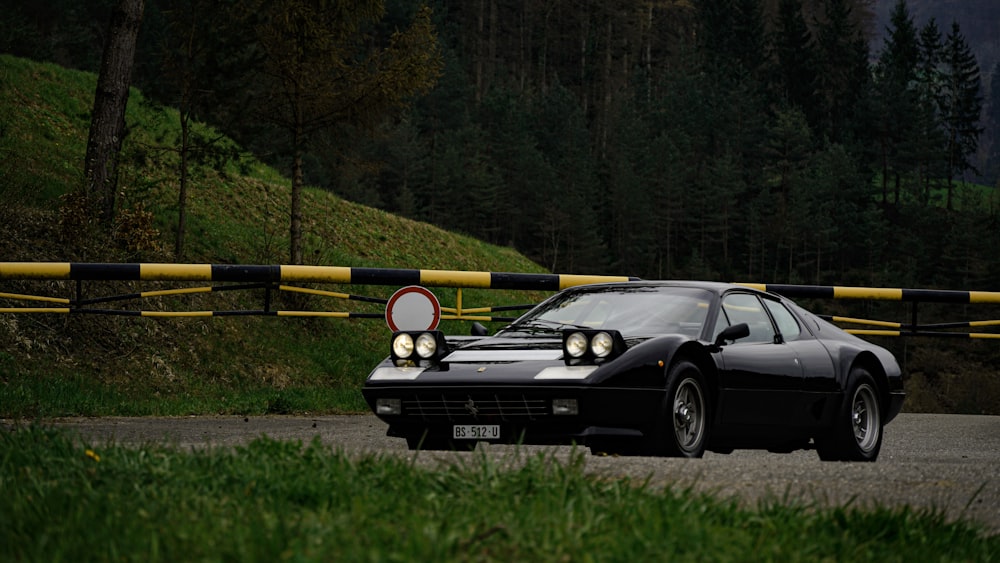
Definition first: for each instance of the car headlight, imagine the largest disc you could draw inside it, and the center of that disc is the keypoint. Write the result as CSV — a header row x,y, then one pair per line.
x,y
565,407
576,345
601,344
388,406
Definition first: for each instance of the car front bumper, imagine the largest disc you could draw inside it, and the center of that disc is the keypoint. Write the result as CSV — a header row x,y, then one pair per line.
x,y
524,414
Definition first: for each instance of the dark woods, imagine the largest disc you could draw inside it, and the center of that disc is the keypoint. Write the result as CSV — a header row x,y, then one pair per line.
x,y
770,140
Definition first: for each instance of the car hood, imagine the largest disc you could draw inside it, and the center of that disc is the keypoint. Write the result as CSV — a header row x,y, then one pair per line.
x,y
507,348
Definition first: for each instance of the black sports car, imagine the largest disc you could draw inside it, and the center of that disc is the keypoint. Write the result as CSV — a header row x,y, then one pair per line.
x,y
645,368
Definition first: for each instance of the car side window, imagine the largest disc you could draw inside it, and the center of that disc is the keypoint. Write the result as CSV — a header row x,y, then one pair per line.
x,y
787,325
746,308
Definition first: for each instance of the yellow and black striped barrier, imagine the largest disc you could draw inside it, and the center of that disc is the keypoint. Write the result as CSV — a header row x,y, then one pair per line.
x,y
232,277
274,278
935,329
914,296
878,293
289,274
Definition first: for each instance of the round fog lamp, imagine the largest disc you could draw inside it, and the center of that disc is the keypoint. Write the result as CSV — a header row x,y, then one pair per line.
x,y
576,344
601,344
426,345
402,345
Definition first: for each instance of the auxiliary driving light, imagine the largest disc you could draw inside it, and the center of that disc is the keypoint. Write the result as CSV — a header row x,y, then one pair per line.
x,y
581,347
601,344
418,347
426,345
402,345
576,345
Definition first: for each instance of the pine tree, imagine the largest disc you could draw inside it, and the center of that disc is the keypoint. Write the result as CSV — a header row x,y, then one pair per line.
x,y
843,73
929,138
203,53
961,105
794,75
748,36
896,100
731,35
571,238
992,128
323,72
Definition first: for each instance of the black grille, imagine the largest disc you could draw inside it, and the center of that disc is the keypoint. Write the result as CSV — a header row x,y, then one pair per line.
x,y
511,406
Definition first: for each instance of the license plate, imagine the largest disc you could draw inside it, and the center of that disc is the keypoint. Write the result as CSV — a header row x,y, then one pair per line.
x,y
476,432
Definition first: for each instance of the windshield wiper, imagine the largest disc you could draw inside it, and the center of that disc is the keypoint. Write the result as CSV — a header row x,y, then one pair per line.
x,y
553,326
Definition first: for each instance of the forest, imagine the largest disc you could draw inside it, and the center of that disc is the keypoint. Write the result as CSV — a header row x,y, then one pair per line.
x,y
749,140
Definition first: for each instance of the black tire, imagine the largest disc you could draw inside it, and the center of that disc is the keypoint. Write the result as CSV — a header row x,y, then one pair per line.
x,y
857,430
683,423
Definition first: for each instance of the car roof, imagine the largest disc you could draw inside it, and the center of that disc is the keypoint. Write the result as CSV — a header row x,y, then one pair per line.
x,y
714,287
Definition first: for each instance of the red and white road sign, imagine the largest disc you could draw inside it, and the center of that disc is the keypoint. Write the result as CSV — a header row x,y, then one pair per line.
x,y
413,308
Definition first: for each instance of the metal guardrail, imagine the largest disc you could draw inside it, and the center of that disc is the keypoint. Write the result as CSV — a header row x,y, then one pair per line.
x,y
878,293
271,278
284,273
913,296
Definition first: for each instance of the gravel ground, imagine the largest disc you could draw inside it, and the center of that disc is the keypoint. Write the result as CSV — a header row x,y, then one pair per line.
x,y
947,462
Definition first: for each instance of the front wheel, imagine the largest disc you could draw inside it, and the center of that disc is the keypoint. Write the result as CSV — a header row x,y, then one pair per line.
x,y
682,426
857,431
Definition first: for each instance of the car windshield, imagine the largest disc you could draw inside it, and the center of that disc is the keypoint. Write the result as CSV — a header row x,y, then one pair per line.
x,y
634,311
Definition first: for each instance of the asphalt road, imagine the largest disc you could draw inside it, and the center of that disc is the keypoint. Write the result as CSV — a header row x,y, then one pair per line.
x,y
949,463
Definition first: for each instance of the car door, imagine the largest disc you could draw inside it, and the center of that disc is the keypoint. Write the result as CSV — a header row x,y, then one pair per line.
x,y
818,374
760,376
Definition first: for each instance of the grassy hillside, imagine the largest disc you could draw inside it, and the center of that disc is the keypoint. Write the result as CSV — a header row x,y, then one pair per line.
x,y
63,365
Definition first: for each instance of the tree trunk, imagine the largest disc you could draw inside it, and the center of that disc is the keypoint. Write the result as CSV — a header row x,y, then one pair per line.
x,y
494,32
182,192
295,234
107,125
480,50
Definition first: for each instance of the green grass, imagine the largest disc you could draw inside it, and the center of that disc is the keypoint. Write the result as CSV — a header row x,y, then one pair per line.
x,y
64,499
68,394
43,108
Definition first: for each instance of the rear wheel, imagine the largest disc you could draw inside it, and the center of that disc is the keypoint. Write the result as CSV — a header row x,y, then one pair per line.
x,y
857,431
682,427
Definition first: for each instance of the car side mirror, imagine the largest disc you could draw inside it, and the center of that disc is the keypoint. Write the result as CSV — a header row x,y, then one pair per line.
x,y
734,332
479,330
